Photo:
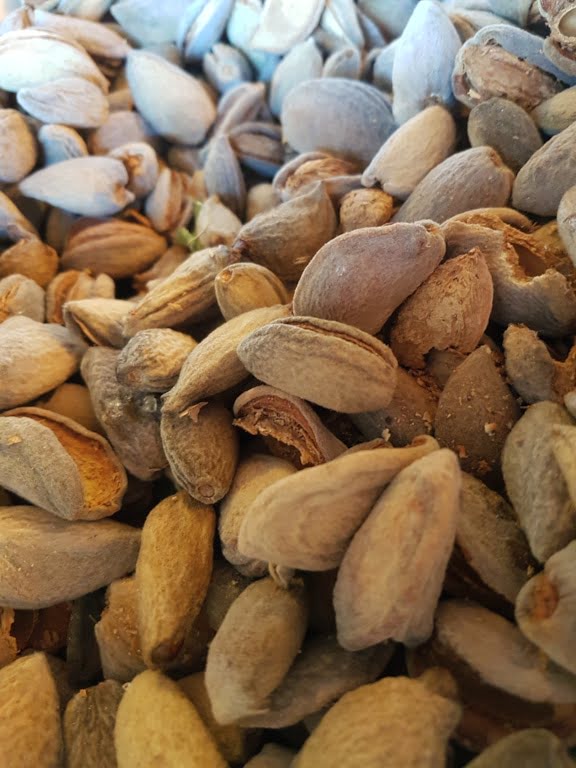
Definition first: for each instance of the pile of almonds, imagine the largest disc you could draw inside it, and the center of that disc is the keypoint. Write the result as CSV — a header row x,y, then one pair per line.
x,y
287,383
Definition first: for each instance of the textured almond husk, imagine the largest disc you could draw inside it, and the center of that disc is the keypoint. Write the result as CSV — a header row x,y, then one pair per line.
x,y
289,426
118,637
72,101
320,675
356,118
30,714
286,238
53,560
223,176
491,560
99,40
450,310
532,370
506,127
286,523
130,419
254,648
474,178
201,446
31,57
525,691
235,743
534,480
174,730
13,224
125,125
301,173
378,594
254,475
117,248
385,723
181,111
89,186
328,363
413,150
225,586
544,608
20,295
185,295
89,726
57,464
97,321
172,583
361,277
528,286
533,190
166,264
73,285
476,412
32,259
17,146
243,287
410,412
152,360
214,366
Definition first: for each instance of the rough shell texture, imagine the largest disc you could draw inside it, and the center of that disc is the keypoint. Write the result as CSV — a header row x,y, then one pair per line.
x,y
89,726
54,560
535,483
30,714
361,277
379,594
383,725
287,524
254,648
356,118
450,310
175,733
329,363
474,178
476,412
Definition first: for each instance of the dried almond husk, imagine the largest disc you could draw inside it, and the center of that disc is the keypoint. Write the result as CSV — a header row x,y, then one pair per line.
x,y
253,475
201,446
131,420
450,310
31,258
254,648
172,583
174,729
112,246
379,595
73,285
30,732
60,466
89,726
151,361
287,524
393,722
475,413
54,560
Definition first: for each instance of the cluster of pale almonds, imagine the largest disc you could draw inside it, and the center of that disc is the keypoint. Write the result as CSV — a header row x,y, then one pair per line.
x,y
287,383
